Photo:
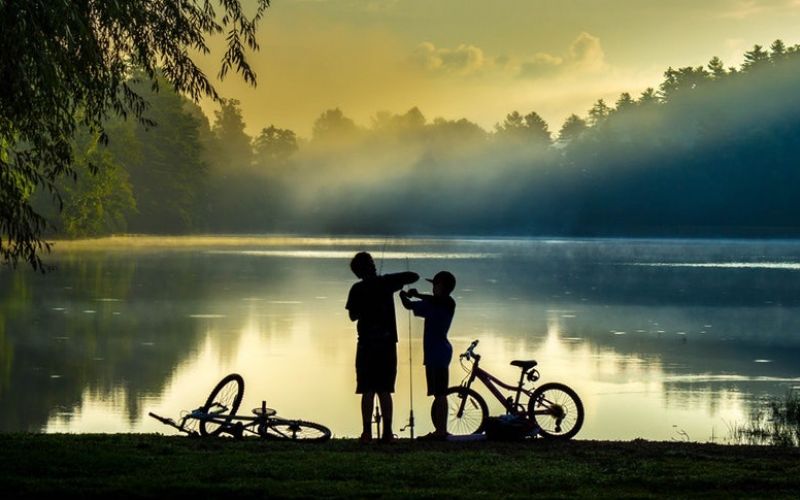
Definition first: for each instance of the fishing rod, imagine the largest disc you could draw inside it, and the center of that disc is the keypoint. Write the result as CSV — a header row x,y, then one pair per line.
x,y
378,418
410,425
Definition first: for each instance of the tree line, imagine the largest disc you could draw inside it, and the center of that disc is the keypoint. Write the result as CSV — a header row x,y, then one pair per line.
x,y
711,151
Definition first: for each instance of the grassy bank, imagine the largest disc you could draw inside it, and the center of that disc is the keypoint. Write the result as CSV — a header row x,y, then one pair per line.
x,y
155,466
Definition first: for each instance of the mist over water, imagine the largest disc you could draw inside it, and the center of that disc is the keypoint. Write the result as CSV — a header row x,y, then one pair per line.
x,y
656,336
707,152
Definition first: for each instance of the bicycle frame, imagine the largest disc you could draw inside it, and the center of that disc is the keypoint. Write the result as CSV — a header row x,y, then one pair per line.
x,y
491,382
231,424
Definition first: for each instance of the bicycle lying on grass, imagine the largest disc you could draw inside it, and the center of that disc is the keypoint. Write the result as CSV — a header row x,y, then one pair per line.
x,y
553,408
218,416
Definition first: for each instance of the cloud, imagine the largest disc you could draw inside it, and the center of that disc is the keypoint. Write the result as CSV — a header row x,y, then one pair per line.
x,y
585,54
541,64
462,60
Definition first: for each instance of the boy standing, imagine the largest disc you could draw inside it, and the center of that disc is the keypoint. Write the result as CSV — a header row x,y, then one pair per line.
x,y
438,310
371,303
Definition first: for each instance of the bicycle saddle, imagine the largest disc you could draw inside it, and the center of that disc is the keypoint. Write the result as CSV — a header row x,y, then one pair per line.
x,y
525,365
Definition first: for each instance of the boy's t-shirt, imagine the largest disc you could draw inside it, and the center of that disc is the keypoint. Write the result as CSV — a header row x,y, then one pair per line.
x,y
372,302
438,313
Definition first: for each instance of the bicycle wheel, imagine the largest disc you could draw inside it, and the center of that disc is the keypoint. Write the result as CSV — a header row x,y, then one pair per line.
x,y
295,430
557,410
466,411
222,404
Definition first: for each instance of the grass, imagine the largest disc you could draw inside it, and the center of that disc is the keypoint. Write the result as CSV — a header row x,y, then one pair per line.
x,y
776,422
153,466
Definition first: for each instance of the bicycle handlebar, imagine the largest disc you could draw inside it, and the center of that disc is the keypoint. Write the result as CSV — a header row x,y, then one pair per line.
x,y
172,423
164,420
469,353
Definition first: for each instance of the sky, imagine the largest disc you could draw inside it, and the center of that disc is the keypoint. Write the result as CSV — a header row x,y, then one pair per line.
x,y
480,60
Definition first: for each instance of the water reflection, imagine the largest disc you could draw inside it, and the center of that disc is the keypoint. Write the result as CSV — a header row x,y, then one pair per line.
x,y
661,339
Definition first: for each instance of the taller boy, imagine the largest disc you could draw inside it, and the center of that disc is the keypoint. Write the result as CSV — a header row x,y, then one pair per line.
x,y
371,303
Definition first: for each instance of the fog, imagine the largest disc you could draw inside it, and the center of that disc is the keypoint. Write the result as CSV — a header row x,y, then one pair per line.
x,y
710,151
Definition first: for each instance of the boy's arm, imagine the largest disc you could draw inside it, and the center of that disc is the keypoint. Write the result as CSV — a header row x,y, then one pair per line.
x,y
407,303
352,308
398,280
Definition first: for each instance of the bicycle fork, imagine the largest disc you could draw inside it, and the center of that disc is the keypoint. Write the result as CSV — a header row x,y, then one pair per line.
x,y
464,397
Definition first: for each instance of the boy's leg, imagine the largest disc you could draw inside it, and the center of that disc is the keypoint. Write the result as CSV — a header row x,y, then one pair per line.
x,y
385,377
439,414
385,399
367,403
438,379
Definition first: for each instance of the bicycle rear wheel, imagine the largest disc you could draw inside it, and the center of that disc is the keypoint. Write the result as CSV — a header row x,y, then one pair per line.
x,y
221,405
295,430
557,410
466,411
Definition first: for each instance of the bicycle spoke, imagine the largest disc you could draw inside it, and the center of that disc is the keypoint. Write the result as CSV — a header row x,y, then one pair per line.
x,y
465,414
295,430
557,411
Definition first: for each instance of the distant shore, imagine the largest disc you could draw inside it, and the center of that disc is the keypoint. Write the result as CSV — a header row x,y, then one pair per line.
x,y
155,466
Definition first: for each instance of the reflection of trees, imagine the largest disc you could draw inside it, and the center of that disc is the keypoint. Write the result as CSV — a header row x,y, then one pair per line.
x,y
137,351
139,333
656,315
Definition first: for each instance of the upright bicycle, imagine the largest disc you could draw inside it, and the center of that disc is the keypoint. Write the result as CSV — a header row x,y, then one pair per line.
x,y
218,416
553,408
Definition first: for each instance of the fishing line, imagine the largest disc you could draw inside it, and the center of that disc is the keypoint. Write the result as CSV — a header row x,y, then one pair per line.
x,y
383,252
410,371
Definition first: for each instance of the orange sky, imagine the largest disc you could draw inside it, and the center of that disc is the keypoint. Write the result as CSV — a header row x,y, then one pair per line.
x,y
482,60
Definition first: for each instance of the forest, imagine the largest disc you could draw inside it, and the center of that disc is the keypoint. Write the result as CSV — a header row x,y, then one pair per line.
x,y
710,151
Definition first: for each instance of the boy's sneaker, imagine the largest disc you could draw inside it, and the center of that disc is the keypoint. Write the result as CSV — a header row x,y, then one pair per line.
x,y
365,438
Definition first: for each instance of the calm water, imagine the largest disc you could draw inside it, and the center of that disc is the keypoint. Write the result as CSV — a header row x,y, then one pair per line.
x,y
661,339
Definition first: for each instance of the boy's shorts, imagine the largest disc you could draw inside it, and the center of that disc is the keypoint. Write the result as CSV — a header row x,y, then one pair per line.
x,y
376,367
438,379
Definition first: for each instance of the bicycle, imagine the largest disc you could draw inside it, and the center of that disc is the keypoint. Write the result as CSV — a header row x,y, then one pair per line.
x,y
554,408
218,416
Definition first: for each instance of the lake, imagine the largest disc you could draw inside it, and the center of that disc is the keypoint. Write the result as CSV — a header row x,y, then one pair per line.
x,y
662,339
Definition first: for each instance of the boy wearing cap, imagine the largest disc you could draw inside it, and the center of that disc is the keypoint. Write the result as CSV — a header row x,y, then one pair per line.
x,y
438,310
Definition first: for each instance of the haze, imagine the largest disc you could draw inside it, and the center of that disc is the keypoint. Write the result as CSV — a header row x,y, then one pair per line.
x,y
481,60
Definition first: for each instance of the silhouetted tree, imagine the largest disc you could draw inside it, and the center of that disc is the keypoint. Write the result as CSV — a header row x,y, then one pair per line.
x,y
455,132
625,102
717,68
681,81
333,125
273,147
66,64
530,129
574,126
598,113
167,166
648,97
231,148
755,58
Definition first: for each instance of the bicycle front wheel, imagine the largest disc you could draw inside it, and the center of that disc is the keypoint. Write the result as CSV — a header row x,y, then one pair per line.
x,y
295,430
466,411
557,410
221,405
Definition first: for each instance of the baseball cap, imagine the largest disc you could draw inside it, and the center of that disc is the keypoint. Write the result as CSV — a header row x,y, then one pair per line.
x,y
445,278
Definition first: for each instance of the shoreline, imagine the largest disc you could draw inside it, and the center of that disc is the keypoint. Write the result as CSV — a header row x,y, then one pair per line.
x,y
153,465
